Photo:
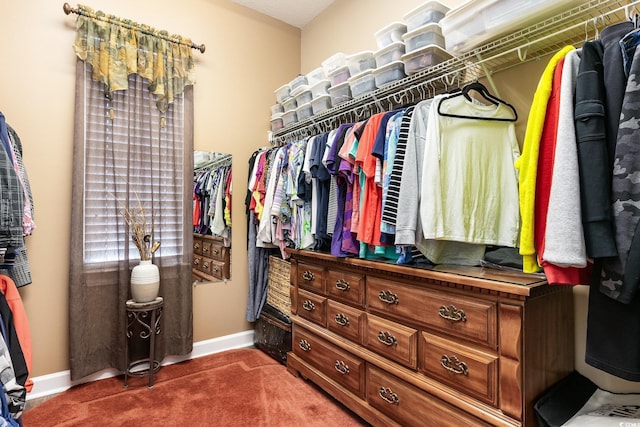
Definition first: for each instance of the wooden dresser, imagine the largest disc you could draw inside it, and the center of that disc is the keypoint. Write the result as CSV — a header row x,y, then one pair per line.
x,y
439,346
211,259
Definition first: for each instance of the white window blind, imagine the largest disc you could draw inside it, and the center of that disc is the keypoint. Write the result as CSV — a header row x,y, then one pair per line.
x,y
128,155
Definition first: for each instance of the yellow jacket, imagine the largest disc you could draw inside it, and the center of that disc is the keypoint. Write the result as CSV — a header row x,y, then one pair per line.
x,y
527,163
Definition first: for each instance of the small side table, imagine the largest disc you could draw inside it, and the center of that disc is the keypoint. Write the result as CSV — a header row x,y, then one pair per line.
x,y
143,321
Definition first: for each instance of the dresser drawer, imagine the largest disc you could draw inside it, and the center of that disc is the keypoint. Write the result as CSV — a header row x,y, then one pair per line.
x,y
310,277
214,250
312,307
459,316
392,340
346,287
209,267
342,367
410,406
197,245
346,321
469,370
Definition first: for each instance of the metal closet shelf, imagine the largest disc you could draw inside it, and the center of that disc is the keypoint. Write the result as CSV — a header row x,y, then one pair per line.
x,y
571,27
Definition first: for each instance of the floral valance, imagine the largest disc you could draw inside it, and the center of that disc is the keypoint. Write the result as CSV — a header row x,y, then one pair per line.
x,y
118,47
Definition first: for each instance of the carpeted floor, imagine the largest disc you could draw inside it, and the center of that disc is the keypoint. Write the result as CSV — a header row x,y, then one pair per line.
x,y
233,388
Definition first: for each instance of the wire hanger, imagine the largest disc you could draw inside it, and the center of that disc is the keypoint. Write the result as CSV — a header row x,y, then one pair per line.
x,y
482,90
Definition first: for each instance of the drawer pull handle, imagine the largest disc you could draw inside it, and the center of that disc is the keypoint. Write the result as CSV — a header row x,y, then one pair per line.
x,y
452,313
196,246
307,275
216,251
388,396
304,345
342,285
205,249
388,297
196,261
386,338
342,367
342,320
452,364
205,265
308,305
216,269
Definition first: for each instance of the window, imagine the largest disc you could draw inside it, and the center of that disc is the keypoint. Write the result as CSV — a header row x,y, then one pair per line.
x,y
129,155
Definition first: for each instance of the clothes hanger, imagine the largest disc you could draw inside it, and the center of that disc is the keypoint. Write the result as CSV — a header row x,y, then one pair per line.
x,y
488,96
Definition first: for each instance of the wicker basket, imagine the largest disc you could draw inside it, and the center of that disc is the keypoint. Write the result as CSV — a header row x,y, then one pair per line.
x,y
279,284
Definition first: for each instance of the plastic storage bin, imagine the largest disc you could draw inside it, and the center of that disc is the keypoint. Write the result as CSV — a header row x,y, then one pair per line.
x,y
340,93
431,11
423,36
362,83
335,61
297,82
389,34
425,57
360,62
304,111
289,118
339,75
302,94
480,21
289,104
321,103
387,55
389,73
320,88
282,93
316,75
276,122
277,108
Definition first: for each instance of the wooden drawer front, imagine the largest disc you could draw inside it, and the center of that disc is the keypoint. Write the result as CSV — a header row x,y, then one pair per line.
x,y
469,370
310,277
212,268
312,307
392,340
411,406
342,367
346,287
197,246
214,250
459,316
346,321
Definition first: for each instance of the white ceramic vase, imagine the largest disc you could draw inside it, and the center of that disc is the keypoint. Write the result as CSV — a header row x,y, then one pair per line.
x,y
145,282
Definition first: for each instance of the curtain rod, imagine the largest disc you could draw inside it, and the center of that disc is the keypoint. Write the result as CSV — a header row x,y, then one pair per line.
x,y
68,9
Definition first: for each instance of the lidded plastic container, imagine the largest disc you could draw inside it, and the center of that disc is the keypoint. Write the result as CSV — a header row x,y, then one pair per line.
x,y
424,36
302,94
282,93
389,34
316,75
297,82
388,54
277,108
289,118
340,93
422,58
339,75
389,73
276,122
431,11
335,61
362,83
320,88
360,62
289,104
321,104
304,111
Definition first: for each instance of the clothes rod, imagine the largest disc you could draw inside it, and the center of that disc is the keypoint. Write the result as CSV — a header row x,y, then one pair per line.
x,y
68,9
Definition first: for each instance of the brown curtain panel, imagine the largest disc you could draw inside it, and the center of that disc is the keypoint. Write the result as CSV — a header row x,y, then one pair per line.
x,y
99,285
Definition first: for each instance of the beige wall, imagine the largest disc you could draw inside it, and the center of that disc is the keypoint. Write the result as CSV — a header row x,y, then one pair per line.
x,y
233,93
349,26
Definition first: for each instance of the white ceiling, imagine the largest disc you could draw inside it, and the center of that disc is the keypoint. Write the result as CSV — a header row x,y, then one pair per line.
x,y
294,12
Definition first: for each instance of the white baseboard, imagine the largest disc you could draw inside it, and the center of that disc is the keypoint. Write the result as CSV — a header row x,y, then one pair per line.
x,y
57,382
